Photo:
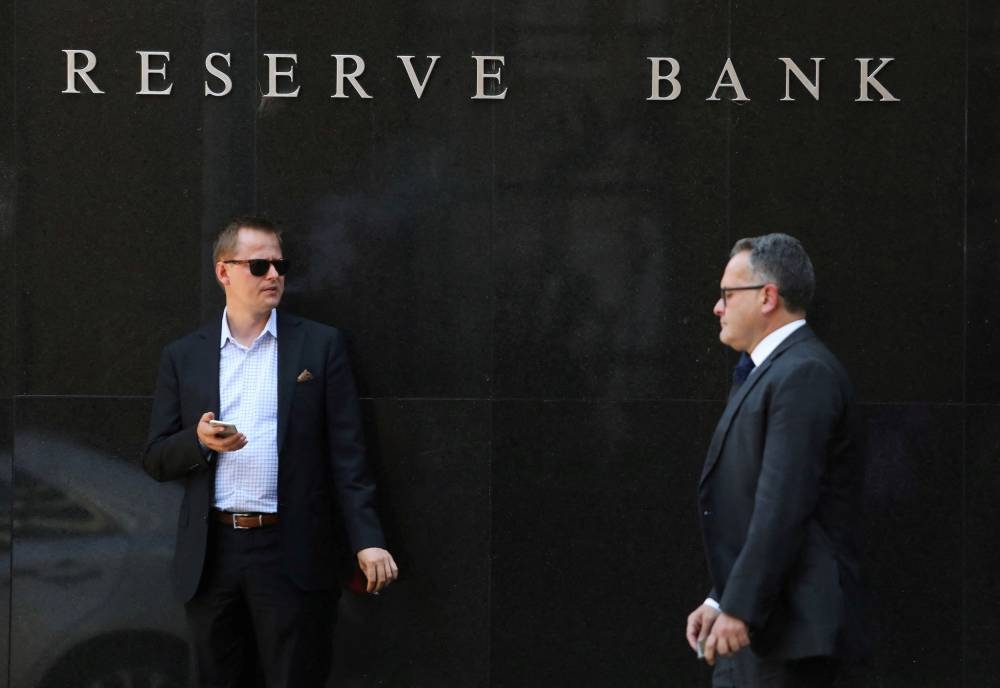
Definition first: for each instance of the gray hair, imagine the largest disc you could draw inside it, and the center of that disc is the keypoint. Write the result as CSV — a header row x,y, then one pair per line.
x,y
781,259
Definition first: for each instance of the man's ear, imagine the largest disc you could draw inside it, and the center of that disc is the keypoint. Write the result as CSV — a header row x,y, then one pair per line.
x,y
771,297
221,273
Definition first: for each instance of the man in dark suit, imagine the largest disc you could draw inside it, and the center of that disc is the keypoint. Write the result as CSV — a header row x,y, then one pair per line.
x,y
780,487
266,506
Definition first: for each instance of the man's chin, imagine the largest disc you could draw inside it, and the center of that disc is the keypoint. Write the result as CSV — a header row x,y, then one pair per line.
x,y
728,341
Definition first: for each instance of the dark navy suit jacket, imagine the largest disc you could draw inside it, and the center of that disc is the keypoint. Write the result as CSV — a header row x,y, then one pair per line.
x,y
779,498
325,492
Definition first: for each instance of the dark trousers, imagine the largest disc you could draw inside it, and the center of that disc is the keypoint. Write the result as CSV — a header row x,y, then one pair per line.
x,y
248,617
746,670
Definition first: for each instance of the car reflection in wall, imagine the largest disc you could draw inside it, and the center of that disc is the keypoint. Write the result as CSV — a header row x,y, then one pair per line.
x,y
91,604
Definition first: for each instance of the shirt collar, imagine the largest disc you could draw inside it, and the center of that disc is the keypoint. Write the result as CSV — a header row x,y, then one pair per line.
x,y
226,335
769,343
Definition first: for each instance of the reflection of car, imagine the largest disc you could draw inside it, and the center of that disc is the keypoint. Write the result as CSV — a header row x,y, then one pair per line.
x,y
91,603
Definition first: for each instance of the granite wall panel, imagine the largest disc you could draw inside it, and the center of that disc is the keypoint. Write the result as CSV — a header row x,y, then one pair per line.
x,y
981,301
597,557
873,189
8,185
981,603
387,200
108,196
832,172
912,545
8,173
432,463
611,209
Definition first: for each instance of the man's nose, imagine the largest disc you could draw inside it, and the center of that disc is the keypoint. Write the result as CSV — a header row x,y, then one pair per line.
x,y
720,306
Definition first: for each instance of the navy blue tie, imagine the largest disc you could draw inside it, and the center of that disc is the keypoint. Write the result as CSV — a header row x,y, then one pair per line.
x,y
743,369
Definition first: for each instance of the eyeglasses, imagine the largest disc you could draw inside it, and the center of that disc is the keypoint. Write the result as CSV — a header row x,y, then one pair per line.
x,y
260,266
724,290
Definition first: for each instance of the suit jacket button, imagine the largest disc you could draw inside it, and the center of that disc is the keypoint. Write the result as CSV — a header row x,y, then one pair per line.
x,y
707,512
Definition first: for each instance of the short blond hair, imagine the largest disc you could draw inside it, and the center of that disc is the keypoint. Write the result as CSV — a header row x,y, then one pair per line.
x,y
225,243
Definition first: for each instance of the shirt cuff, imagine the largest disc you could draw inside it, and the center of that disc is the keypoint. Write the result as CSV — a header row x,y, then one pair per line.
x,y
712,603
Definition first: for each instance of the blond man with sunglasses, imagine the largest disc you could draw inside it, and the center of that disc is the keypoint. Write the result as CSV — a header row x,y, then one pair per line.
x,y
256,414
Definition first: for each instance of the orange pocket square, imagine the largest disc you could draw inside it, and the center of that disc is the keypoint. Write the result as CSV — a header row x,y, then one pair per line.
x,y
304,376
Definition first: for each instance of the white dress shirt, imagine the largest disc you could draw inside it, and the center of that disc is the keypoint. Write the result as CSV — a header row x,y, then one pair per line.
x,y
768,344
247,480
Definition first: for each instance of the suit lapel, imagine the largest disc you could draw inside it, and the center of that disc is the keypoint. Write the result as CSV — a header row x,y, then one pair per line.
x,y
736,400
290,339
722,428
207,364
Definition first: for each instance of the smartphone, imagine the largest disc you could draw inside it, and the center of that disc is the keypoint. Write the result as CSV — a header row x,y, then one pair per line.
x,y
224,429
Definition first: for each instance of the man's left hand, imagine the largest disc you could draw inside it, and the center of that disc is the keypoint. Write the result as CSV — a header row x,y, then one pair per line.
x,y
728,635
378,566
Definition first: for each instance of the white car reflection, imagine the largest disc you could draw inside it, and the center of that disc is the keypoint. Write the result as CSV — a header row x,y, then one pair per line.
x,y
91,604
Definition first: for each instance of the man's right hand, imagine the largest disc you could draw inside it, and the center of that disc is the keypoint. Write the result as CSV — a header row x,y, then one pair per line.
x,y
208,436
700,623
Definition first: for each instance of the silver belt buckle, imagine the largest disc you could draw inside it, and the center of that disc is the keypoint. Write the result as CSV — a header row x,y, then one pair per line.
x,y
236,526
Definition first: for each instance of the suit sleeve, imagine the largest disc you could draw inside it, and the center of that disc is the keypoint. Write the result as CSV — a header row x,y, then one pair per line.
x,y
805,408
172,451
352,481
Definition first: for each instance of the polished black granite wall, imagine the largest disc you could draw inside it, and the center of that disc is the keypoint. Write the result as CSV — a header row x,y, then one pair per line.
x,y
7,318
527,287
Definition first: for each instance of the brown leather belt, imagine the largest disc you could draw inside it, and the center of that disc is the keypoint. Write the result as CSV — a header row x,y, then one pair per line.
x,y
244,521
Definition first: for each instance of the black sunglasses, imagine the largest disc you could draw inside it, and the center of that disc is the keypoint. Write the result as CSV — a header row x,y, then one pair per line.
x,y
260,266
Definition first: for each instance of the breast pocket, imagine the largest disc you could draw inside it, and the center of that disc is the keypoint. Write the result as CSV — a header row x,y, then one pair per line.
x,y
307,393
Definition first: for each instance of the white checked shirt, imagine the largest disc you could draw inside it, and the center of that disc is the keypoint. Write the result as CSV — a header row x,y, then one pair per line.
x,y
247,480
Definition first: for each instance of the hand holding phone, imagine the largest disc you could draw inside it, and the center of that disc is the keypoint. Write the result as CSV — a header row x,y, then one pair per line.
x,y
219,435
223,429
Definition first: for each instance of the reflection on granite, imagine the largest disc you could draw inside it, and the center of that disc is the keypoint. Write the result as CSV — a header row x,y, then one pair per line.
x,y
93,541
6,447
